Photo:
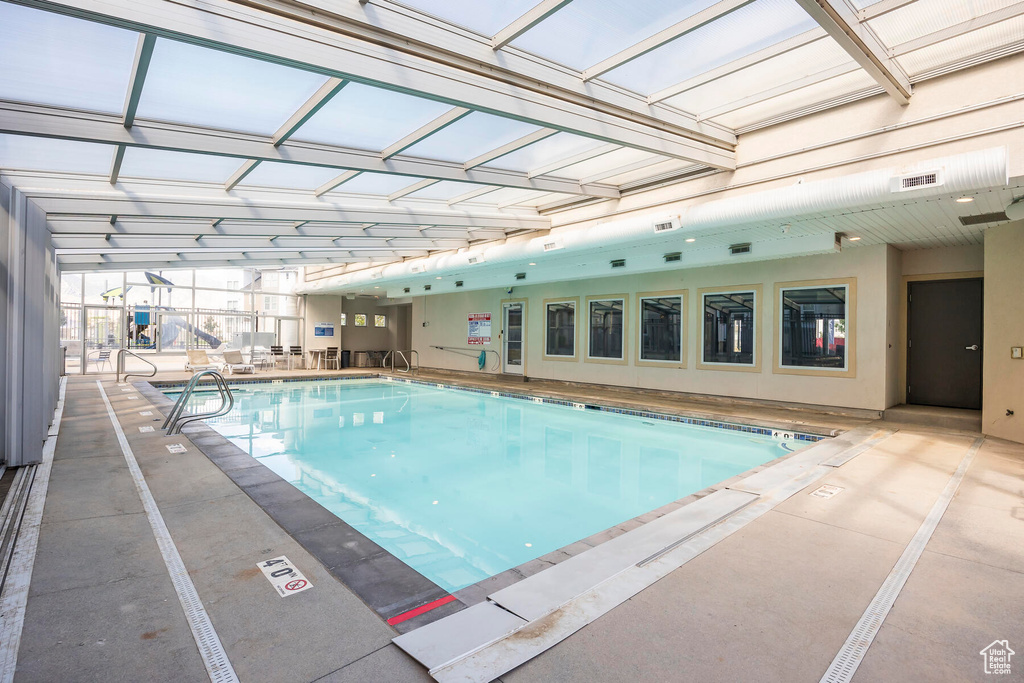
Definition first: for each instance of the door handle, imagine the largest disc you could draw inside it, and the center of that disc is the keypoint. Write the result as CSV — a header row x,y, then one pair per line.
x,y
972,347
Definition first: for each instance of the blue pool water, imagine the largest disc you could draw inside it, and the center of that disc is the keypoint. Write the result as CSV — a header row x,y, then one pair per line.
x,y
461,486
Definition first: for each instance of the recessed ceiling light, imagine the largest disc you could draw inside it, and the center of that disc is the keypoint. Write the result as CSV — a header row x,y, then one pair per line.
x,y
853,239
964,200
691,239
438,277
376,286
533,264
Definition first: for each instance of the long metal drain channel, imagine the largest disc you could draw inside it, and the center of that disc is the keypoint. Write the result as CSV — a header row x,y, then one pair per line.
x,y
844,666
210,648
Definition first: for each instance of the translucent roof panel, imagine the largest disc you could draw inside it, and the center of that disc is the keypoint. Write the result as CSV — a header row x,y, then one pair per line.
x,y
804,97
296,176
470,137
609,164
376,183
370,118
53,59
559,146
964,46
201,87
445,190
584,32
140,162
778,71
927,16
483,16
45,154
748,29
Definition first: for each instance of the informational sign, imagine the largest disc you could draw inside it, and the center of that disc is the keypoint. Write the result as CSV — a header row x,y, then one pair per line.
x,y
479,328
283,576
323,329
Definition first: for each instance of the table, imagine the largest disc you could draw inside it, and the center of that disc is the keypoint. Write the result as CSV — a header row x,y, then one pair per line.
x,y
318,354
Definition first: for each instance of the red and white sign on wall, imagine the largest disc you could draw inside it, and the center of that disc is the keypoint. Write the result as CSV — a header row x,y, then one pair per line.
x,y
479,328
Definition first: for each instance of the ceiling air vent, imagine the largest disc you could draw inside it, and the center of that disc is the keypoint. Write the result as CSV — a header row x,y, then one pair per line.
x,y
473,260
735,249
666,225
426,288
997,217
458,283
520,276
376,276
552,246
618,263
673,257
418,268
405,290
916,181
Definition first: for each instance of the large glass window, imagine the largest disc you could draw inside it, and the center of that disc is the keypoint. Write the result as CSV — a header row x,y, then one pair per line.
x,y
813,327
661,328
561,329
729,334
606,328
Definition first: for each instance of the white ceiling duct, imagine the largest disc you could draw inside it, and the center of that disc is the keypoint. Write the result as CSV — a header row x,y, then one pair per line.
x,y
956,174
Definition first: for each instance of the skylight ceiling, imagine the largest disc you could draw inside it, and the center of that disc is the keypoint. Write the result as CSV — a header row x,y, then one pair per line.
x,y
397,136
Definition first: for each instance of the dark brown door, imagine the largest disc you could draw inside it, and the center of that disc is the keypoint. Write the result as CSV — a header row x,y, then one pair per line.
x,y
944,343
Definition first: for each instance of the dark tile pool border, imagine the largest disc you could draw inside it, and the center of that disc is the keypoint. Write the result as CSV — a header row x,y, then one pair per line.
x,y
381,580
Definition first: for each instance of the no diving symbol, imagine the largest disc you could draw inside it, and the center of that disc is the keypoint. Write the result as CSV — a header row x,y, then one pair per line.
x,y
295,585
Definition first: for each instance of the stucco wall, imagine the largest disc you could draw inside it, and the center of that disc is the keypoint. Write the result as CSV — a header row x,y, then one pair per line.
x,y
1003,380
872,266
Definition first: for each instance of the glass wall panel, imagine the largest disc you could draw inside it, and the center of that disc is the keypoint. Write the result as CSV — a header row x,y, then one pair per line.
x,y
222,278
103,288
561,328
813,327
729,320
71,288
606,329
661,328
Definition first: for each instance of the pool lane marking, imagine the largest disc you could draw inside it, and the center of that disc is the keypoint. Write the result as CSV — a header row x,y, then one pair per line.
x,y
14,597
210,649
406,616
845,664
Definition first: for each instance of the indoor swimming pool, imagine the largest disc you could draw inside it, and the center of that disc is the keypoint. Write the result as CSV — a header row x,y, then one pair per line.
x,y
463,485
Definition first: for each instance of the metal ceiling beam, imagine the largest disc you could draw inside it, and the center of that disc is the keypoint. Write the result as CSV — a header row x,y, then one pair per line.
x,y
321,97
510,147
134,227
56,122
956,30
883,7
97,244
115,166
227,25
781,48
312,259
574,159
471,195
335,182
238,176
688,25
415,187
841,21
140,67
792,86
443,121
528,20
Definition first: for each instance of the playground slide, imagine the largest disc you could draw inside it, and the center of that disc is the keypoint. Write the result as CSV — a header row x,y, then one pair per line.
x,y
172,326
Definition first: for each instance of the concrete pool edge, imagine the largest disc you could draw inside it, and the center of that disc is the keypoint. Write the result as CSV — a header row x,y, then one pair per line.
x,y
517,623
321,532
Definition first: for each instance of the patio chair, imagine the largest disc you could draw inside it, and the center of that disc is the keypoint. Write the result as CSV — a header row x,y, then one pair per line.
x,y
276,355
198,360
295,352
236,363
103,357
332,357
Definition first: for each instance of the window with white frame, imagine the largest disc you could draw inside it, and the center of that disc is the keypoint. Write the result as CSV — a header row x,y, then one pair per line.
x,y
606,328
561,328
812,327
661,328
729,327
344,319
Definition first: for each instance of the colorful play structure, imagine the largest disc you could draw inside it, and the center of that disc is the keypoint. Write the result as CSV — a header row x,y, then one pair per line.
x,y
146,320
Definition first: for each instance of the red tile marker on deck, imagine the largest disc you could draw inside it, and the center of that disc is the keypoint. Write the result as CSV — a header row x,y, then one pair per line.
x,y
406,616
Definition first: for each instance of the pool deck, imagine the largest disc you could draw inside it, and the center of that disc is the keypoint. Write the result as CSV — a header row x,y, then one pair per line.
x,y
773,601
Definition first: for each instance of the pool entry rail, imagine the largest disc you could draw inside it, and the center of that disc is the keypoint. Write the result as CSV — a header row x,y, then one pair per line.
x,y
409,366
120,365
177,418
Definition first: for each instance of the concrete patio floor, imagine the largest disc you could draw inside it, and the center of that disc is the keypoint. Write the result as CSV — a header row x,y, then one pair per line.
x,y
773,602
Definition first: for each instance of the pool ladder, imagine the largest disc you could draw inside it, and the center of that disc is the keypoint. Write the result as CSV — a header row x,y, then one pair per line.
x,y
120,365
177,418
409,367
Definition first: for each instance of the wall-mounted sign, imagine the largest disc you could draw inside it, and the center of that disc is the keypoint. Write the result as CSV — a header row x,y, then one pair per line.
x,y
479,328
323,329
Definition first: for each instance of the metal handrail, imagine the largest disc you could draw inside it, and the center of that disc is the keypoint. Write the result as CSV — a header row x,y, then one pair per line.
x,y
409,367
120,365
176,419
